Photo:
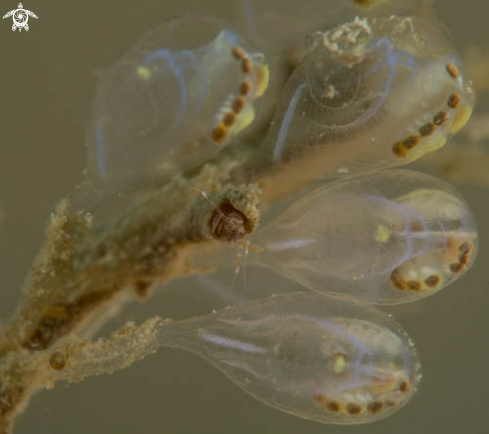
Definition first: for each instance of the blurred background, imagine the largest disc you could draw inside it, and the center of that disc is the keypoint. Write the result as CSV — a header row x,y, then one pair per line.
x,y
47,83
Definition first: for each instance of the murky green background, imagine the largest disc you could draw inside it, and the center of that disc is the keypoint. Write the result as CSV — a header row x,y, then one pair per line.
x,y
47,80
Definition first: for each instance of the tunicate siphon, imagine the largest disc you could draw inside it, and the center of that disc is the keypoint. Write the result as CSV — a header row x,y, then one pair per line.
x,y
172,101
369,94
280,29
387,237
314,356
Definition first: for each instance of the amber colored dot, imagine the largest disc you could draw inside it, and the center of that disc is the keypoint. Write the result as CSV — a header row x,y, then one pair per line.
x,y
245,88
452,70
457,267
229,119
466,247
399,150
410,142
413,285
454,100
397,281
219,133
427,129
391,402
440,118
238,104
238,53
353,409
333,406
246,66
464,258
405,387
57,360
375,407
433,280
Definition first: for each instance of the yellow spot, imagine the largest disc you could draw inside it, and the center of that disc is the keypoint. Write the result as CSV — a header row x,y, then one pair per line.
x,y
382,234
144,73
262,79
460,119
428,144
339,364
244,119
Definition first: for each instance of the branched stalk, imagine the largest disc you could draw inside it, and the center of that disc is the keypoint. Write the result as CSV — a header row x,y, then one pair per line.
x,y
84,271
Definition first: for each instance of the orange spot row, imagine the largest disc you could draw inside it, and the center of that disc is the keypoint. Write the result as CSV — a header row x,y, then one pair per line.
x,y
463,260
441,118
413,285
221,130
402,148
353,408
427,129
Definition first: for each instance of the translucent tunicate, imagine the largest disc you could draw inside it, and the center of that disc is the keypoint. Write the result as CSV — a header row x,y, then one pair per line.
x,y
281,32
317,357
387,237
172,101
369,94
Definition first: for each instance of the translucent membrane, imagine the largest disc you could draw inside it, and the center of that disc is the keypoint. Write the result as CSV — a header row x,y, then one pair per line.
x,y
281,32
171,101
277,29
387,237
370,94
313,356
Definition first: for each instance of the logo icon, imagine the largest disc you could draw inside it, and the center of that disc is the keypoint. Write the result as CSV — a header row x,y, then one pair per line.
x,y
20,17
